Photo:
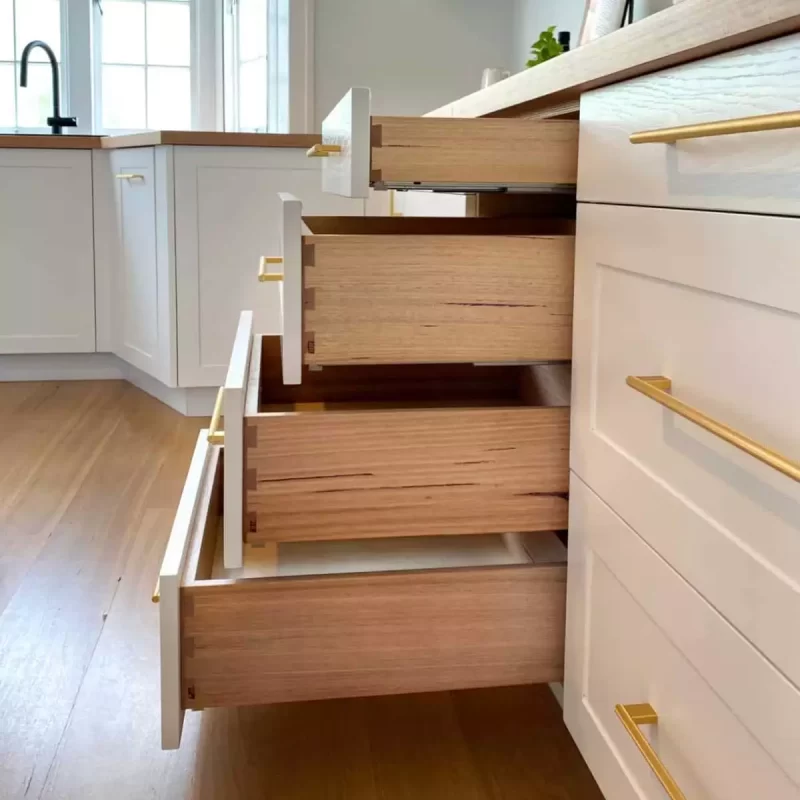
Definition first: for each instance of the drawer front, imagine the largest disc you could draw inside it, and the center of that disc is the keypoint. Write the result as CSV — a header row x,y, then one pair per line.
x,y
316,472
710,301
443,153
274,633
728,723
753,171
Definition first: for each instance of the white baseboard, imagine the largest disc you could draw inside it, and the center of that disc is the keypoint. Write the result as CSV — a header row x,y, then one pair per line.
x,y
558,692
193,401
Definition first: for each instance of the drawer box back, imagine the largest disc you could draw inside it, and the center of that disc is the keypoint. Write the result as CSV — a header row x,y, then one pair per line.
x,y
405,450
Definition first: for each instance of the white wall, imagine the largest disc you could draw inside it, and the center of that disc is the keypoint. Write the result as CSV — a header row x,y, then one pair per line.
x,y
415,55
533,16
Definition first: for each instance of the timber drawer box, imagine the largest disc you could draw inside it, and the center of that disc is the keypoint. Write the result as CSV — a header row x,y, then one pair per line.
x,y
654,673
442,153
685,417
400,290
382,451
720,133
313,620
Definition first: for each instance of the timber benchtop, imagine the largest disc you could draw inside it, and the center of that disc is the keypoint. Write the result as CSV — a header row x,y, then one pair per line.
x,y
690,30
151,138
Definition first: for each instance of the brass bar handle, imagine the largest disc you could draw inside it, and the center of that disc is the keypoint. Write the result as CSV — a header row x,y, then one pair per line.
x,y
157,591
658,387
263,275
129,176
323,150
725,127
216,436
632,716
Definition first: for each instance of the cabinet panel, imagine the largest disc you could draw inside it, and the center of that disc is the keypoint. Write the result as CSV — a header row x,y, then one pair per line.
x,y
727,724
228,216
142,260
46,252
709,301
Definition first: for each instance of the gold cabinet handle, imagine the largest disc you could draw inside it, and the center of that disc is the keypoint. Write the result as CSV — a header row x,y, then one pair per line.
x,y
263,275
129,176
657,388
725,127
216,436
632,717
323,150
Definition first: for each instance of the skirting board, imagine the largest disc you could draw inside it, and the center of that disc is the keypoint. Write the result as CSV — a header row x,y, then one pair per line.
x,y
190,401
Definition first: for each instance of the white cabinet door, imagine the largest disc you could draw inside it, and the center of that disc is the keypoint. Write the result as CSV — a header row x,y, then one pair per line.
x,y
46,252
228,215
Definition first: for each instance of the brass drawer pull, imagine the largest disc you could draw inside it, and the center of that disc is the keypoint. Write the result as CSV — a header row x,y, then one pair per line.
x,y
632,717
129,176
657,388
323,150
263,275
725,127
216,436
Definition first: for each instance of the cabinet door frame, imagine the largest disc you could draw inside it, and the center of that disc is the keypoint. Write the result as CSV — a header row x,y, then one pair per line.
x,y
70,262
156,164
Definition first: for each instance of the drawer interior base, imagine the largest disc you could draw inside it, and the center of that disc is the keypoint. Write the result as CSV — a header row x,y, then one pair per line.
x,y
399,386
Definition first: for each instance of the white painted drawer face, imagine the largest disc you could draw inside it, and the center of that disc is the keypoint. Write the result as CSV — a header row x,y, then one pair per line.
x,y
728,725
742,172
710,301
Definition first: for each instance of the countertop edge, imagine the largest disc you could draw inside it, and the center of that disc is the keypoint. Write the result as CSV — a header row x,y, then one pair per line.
x,y
691,30
155,138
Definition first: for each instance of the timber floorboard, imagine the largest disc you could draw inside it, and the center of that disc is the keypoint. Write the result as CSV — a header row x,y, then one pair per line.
x,y
90,475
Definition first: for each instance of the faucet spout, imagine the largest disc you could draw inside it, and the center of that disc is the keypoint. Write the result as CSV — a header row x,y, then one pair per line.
x,y
56,122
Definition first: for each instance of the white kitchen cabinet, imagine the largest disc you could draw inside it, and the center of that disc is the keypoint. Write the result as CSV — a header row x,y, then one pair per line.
x,y
46,252
139,223
228,215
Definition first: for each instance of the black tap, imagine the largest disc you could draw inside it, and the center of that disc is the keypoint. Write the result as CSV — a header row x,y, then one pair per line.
x,y
56,122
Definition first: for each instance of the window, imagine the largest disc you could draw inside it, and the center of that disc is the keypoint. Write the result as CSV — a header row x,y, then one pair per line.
x,y
21,21
146,64
247,71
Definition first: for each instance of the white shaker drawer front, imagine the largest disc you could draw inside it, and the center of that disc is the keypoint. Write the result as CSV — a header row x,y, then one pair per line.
x,y
718,168
727,724
711,302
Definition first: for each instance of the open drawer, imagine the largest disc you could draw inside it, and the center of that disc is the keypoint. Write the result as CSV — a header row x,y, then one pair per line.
x,y
410,450
404,290
443,153
342,619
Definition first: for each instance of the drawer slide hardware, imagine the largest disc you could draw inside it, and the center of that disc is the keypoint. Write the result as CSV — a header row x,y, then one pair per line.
x,y
725,127
632,716
658,387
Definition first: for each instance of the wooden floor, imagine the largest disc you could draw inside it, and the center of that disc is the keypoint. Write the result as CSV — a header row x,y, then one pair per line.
x,y
90,473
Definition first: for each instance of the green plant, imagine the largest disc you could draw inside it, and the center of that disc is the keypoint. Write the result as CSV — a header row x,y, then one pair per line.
x,y
545,47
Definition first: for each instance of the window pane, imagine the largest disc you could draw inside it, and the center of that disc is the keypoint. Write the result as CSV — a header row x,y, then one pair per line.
x,y
252,27
169,105
35,101
168,28
7,96
253,95
123,97
38,19
123,32
6,30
